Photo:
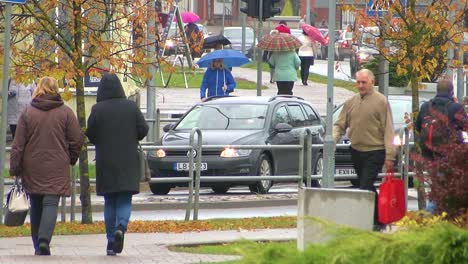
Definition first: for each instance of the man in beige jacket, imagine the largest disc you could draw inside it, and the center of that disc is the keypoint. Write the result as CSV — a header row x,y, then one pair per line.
x,y
368,117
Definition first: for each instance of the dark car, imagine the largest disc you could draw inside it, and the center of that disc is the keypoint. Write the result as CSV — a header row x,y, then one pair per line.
x,y
228,121
400,104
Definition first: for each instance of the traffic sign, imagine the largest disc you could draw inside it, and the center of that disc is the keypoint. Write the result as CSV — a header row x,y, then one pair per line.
x,y
14,1
380,7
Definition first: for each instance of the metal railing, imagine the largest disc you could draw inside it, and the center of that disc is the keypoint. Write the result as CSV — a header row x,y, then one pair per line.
x,y
194,177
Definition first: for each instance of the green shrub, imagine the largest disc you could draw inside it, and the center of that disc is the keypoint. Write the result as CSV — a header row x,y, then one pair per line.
x,y
393,79
441,243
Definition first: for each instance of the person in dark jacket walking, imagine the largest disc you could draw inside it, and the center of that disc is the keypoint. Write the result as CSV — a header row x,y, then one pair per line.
x,y
449,120
456,115
115,126
48,140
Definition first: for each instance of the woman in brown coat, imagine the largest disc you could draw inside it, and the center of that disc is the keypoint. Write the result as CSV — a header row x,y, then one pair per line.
x,y
47,142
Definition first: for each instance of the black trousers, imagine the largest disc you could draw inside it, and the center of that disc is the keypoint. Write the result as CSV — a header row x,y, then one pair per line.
x,y
43,216
285,87
306,62
368,164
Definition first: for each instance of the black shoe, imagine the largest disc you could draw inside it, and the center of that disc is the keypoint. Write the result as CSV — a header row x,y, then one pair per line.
x,y
305,83
109,249
379,228
271,81
43,248
118,240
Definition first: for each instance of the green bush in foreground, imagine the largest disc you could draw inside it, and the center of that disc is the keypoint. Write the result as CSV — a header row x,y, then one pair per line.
x,y
442,243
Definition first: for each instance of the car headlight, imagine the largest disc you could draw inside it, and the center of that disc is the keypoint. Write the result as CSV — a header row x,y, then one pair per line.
x,y
232,153
159,153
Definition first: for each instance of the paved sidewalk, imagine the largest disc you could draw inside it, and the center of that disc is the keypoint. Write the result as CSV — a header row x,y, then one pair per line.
x,y
183,99
139,248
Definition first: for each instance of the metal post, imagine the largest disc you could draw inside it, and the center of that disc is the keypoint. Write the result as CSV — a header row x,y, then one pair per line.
x,y
259,55
6,62
329,150
157,125
406,167
308,12
308,147
73,194
151,83
190,184
224,15
243,17
300,170
460,74
198,172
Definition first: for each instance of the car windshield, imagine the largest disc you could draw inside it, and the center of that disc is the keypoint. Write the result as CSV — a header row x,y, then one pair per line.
x,y
225,117
237,33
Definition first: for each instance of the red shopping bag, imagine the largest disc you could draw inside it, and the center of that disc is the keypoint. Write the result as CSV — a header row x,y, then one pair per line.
x,y
391,200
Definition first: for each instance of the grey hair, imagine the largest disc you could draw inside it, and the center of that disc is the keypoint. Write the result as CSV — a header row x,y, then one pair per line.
x,y
369,73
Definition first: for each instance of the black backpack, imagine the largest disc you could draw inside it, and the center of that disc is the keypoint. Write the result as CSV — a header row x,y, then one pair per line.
x,y
435,129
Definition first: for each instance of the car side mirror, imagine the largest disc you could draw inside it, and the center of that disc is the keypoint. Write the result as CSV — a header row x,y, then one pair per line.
x,y
283,128
210,33
168,127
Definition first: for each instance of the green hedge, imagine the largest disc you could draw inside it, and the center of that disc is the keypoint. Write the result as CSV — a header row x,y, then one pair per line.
x,y
442,243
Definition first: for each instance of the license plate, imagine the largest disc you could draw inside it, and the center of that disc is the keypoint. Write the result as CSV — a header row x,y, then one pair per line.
x,y
184,166
344,171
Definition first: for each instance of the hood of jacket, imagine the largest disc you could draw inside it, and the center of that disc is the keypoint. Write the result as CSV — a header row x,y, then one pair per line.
x,y
109,88
47,102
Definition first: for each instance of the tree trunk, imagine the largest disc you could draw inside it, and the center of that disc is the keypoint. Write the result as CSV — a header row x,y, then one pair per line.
x,y
85,197
418,166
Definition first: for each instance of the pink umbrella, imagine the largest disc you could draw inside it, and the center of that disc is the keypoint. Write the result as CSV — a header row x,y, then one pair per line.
x,y
188,17
313,33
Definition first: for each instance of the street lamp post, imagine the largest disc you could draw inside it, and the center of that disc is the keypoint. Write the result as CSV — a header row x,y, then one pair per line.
x,y
329,150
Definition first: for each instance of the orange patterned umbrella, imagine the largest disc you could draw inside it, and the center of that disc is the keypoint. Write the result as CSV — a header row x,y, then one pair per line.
x,y
279,42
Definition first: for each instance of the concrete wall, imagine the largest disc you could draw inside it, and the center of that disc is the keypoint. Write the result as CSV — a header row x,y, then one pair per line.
x,y
349,207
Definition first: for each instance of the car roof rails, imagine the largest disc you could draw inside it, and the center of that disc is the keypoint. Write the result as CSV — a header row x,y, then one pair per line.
x,y
285,96
217,97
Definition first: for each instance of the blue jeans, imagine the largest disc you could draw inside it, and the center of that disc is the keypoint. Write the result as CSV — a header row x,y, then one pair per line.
x,y
430,207
117,209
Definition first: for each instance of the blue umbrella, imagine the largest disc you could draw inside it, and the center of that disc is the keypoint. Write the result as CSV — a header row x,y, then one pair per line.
x,y
231,58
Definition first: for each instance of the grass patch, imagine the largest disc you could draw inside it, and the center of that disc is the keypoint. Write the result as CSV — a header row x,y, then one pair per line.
x,y
316,78
75,228
194,80
440,243
233,248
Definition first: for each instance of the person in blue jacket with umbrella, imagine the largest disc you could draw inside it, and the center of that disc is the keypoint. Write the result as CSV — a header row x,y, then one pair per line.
x,y
217,81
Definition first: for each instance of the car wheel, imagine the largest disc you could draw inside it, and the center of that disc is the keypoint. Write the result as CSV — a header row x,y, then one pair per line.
x,y
264,168
355,183
318,170
160,188
220,189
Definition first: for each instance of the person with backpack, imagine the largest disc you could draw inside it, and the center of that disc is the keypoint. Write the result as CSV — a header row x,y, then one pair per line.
x,y
440,124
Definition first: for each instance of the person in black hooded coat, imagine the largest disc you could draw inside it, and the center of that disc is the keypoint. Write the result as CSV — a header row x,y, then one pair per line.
x,y
115,126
